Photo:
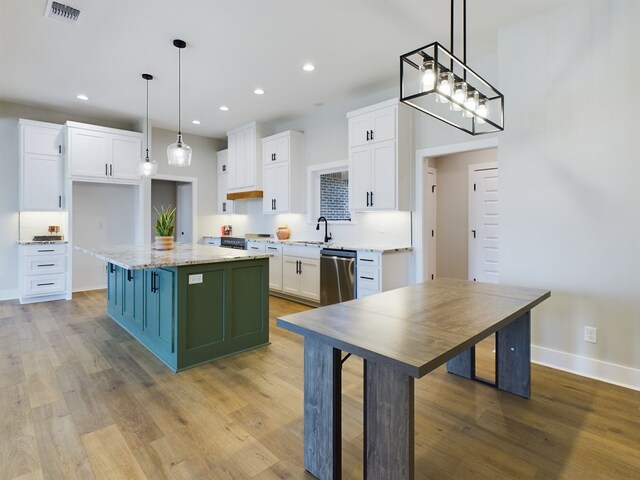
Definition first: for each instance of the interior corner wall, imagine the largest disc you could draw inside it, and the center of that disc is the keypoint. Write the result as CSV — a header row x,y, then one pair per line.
x,y
569,171
452,216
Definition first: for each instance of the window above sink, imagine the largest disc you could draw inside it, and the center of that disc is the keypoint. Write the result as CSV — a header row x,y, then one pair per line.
x,y
328,193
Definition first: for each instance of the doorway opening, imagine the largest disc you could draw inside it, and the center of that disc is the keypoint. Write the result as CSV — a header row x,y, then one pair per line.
x,y
179,193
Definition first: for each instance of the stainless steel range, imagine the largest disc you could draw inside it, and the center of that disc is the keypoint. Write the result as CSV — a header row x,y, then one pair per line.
x,y
239,243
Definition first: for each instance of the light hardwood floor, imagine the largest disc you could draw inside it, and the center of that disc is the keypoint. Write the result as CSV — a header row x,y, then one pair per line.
x,y
80,399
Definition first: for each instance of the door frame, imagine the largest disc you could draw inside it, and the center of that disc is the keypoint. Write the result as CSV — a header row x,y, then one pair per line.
x,y
422,163
145,193
472,212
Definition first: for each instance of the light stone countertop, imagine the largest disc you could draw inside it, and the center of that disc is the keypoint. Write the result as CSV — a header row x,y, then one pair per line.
x,y
41,242
337,246
136,257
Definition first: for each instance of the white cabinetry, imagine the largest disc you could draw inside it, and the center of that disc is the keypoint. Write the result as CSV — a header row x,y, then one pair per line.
x,y
101,154
275,267
41,178
283,173
380,157
43,272
224,205
378,272
301,271
245,158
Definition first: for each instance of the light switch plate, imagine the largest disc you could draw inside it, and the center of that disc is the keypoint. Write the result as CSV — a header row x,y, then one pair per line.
x,y
197,278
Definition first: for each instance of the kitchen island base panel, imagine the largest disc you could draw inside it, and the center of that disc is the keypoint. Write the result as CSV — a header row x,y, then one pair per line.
x,y
322,410
389,423
513,359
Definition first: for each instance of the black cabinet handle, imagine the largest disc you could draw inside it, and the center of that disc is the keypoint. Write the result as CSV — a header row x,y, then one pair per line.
x,y
59,201
45,284
365,259
45,250
106,171
111,169
371,199
367,135
367,199
224,168
46,264
129,278
224,206
111,268
367,278
275,204
474,233
371,136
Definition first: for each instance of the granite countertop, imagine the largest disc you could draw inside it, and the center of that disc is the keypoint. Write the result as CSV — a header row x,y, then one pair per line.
x,y
41,242
338,246
135,257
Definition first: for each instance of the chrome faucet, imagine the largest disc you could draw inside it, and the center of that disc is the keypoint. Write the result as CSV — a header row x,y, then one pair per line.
x,y
327,237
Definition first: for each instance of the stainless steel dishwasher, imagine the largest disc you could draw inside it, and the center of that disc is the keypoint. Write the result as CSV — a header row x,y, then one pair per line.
x,y
337,276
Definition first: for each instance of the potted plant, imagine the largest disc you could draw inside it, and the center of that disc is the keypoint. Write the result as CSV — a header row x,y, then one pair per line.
x,y
165,227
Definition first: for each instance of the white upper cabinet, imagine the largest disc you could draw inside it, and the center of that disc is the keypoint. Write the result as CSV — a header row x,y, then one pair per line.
x,y
41,176
103,154
245,158
283,173
380,157
223,205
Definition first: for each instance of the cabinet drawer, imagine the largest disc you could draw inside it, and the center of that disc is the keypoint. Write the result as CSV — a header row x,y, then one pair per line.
x,y
368,278
365,292
44,264
256,247
52,249
44,284
368,258
274,249
301,251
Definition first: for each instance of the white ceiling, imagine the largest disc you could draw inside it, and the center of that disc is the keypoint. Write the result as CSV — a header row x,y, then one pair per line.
x,y
233,46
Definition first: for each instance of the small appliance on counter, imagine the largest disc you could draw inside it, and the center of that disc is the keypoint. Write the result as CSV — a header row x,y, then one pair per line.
x,y
227,230
282,232
237,243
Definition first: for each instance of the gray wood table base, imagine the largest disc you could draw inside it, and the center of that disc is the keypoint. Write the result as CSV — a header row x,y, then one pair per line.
x,y
513,359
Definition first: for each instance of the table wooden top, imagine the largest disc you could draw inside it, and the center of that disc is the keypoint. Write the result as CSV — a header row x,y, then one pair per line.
x,y
417,328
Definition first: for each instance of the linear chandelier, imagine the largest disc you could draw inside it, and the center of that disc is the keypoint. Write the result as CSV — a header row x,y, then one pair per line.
x,y
436,82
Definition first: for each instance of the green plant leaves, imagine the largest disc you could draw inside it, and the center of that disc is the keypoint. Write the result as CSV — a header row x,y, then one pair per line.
x,y
165,222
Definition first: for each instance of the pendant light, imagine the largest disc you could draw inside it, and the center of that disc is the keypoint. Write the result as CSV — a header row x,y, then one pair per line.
x,y
179,153
148,167
436,82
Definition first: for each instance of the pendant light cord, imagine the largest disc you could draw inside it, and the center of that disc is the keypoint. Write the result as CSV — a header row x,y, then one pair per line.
x,y
179,91
147,159
452,17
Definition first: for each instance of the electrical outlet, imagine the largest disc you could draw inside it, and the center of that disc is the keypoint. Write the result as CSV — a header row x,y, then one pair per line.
x,y
591,334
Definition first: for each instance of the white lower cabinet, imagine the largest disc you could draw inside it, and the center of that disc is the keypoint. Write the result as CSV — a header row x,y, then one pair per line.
x,y
301,271
378,272
275,267
43,272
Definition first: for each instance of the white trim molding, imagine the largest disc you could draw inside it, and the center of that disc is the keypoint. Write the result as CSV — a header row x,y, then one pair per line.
x,y
587,367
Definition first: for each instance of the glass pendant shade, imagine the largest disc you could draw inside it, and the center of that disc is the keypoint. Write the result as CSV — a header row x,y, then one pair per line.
x,y
459,95
471,104
428,76
179,153
445,86
148,167
482,111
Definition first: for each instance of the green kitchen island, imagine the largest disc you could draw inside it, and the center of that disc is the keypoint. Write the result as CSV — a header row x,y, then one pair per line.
x,y
189,305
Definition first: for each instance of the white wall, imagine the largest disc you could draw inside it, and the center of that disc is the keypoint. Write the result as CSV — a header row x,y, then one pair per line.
x,y
163,194
569,173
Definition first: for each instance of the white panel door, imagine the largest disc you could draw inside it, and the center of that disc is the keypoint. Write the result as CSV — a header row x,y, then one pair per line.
x,y
383,188
232,160
359,128
41,182
310,278
42,140
290,277
360,177
250,157
126,153
383,124
275,267
484,224
88,154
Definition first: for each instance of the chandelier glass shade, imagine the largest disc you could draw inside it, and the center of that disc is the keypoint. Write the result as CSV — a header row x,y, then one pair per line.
x,y
436,82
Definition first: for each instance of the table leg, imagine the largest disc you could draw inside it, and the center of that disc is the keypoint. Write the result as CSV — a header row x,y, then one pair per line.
x,y
513,357
388,423
464,364
322,410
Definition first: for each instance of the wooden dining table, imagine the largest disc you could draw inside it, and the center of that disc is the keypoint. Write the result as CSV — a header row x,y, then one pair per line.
x,y
402,335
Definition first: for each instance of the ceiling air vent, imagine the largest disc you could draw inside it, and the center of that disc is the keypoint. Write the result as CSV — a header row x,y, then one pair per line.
x,y
60,11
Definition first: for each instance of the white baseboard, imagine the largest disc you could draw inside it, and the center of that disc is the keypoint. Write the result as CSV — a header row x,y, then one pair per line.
x,y
87,289
8,295
587,367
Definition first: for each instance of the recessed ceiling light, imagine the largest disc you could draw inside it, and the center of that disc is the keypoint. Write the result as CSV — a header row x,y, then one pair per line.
x,y
258,91
82,96
308,67
224,108
195,122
